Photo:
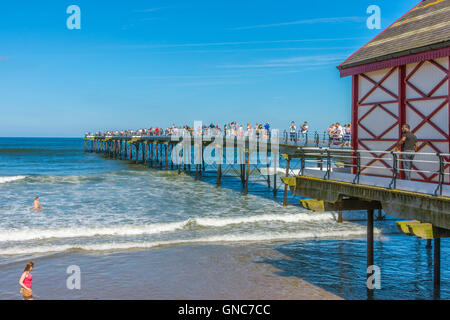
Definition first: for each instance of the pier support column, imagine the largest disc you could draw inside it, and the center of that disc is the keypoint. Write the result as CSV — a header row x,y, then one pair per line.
x,y
179,157
156,156
145,154
242,166
184,158
340,219
286,186
380,215
437,268
167,156
370,213
150,150
203,158
161,156
219,166
171,157
131,152
247,173
268,167
275,166
137,153
197,165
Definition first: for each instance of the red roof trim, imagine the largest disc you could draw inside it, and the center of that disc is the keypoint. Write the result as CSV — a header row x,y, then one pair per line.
x,y
418,57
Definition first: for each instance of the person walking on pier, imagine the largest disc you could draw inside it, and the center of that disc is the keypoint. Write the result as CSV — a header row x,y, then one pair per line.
x,y
409,143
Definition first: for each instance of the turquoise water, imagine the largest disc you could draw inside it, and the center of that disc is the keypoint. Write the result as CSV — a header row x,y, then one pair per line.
x,y
93,204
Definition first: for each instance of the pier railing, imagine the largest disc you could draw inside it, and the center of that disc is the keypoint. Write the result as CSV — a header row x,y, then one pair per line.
x,y
316,139
308,139
390,169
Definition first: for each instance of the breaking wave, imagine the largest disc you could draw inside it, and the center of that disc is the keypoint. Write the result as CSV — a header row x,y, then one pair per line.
x,y
132,230
115,246
11,179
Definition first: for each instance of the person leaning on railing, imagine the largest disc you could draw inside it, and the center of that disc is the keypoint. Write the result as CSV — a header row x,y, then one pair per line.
x,y
292,131
409,144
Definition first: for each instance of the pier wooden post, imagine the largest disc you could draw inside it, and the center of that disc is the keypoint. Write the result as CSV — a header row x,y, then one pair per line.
x,y
189,160
242,166
150,146
340,219
247,173
286,186
197,164
179,157
137,153
275,166
156,156
219,166
167,156
144,151
184,158
149,151
437,267
203,158
161,156
380,215
171,157
267,165
131,151
370,213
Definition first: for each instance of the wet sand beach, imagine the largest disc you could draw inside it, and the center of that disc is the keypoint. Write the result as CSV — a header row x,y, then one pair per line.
x,y
180,272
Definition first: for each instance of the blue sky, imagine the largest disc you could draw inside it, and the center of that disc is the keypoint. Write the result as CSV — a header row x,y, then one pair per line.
x,y
144,63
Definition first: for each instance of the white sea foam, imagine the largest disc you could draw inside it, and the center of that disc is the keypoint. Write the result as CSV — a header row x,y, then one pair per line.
x,y
130,230
117,246
87,232
289,218
10,179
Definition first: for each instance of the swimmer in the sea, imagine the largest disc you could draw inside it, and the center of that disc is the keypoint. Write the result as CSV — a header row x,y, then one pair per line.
x,y
37,205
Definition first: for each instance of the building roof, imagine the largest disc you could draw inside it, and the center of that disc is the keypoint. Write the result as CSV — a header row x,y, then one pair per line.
x,y
425,27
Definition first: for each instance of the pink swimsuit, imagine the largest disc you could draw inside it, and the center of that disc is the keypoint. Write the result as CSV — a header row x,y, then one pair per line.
x,y
27,280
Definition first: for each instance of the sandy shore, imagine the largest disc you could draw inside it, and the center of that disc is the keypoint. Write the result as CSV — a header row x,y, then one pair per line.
x,y
181,272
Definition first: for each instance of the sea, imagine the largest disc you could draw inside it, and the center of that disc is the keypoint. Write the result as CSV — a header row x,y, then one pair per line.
x,y
97,210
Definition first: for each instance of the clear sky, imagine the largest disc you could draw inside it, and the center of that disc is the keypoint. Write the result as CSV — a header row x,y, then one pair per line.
x,y
142,63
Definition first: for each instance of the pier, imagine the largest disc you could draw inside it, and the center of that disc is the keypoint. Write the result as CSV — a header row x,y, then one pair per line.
x,y
334,178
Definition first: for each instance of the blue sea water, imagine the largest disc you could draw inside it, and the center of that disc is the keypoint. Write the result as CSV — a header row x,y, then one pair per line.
x,y
95,204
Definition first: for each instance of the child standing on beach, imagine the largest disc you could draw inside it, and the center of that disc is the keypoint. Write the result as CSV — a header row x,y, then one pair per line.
x,y
25,282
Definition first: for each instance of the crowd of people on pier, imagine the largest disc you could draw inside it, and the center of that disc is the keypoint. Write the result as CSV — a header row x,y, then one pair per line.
x,y
337,134
340,135
228,129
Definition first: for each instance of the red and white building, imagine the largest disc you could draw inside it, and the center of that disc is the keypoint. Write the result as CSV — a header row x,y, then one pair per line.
x,y
403,76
